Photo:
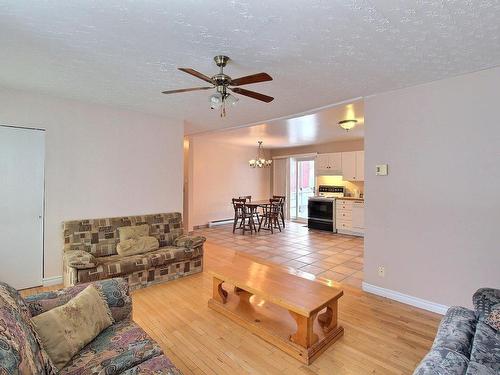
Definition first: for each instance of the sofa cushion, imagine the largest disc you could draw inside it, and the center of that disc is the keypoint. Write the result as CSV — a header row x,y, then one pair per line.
x,y
103,248
114,266
486,347
171,254
156,365
441,361
66,329
484,300
121,346
133,231
20,348
139,245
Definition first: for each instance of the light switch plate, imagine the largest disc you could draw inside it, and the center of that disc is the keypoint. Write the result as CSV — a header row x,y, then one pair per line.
x,y
381,170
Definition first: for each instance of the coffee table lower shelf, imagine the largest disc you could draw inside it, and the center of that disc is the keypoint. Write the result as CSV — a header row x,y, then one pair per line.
x,y
273,324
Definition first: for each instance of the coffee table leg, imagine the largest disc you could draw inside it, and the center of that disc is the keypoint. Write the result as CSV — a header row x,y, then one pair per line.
x,y
328,320
304,336
244,295
218,293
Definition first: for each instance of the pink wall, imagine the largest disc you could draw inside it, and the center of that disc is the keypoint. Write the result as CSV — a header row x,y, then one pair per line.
x,y
433,222
219,172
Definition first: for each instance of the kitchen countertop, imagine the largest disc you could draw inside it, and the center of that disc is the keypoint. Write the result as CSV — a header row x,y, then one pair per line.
x,y
352,199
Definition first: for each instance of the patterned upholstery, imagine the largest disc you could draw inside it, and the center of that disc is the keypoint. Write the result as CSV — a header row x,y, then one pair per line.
x,y
456,330
484,300
464,344
486,347
122,348
442,361
20,349
115,291
99,238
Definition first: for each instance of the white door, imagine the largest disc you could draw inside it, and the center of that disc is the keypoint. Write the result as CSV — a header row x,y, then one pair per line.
x,y
21,206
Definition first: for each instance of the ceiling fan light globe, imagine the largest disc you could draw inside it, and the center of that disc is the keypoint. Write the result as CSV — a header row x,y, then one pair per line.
x,y
231,100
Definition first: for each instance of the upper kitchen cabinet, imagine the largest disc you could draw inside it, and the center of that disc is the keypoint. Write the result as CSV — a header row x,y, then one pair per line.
x,y
329,164
353,166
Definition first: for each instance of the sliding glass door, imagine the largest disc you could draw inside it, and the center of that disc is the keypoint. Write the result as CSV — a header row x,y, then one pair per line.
x,y
301,186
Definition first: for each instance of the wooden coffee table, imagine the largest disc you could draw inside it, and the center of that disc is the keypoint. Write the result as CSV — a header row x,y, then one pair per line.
x,y
278,306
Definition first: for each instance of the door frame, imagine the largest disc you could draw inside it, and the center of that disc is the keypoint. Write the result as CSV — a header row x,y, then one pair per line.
x,y
44,203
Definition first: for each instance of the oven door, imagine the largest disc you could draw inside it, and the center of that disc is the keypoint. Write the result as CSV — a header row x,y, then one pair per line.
x,y
320,209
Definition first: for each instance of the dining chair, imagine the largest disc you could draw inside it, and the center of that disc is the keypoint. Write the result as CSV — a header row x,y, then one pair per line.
x,y
271,216
246,197
255,210
243,214
282,207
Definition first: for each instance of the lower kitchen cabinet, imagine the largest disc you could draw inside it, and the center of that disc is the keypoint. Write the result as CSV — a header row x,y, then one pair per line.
x,y
349,216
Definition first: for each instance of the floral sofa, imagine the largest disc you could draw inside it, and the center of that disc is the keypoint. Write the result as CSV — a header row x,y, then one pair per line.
x,y
123,348
464,343
90,251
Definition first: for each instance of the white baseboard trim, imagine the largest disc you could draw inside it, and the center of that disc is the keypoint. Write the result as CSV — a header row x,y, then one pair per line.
x,y
405,298
54,280
214,223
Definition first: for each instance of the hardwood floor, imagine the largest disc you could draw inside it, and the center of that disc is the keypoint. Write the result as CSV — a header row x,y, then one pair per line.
x,y
381,336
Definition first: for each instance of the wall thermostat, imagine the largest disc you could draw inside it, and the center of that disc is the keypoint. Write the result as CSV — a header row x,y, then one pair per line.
x,y
381,170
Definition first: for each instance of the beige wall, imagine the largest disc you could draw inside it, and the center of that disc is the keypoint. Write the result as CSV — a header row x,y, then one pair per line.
x,y
219,172
322,148
433,221
99,162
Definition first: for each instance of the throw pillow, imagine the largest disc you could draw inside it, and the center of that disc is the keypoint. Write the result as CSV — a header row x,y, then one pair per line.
x,y
66,329
80,259
493,318
136,231
138,245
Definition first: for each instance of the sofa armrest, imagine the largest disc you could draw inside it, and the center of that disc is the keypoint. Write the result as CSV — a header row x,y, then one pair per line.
x,y
189,242
115,291
79,259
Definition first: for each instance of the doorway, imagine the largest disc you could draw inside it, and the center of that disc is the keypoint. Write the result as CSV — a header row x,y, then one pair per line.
x,y
22,153
301,187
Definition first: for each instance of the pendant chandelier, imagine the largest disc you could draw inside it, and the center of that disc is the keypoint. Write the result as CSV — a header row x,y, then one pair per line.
x,y
348,124
260,161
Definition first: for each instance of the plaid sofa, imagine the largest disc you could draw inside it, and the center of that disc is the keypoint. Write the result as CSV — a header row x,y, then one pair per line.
x,y
122,348
90,251
465,344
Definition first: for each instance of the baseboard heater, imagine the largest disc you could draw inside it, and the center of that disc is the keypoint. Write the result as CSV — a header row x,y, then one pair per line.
x,y
219,222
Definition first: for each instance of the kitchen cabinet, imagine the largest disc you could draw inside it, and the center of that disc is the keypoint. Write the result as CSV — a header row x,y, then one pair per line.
x,y
349,216
353,166
358,216
329,164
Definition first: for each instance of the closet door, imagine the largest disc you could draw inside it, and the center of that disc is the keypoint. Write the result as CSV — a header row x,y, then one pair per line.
x,y
21,206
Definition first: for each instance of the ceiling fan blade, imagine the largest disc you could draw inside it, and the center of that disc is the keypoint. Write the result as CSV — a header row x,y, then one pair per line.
x,y
196,74
254,78
184,90
253,94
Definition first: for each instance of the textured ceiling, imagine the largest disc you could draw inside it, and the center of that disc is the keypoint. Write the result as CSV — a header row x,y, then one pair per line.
x,y
125,53
318,127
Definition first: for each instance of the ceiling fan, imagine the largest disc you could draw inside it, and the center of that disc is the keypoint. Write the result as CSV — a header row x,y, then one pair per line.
x,y
222,83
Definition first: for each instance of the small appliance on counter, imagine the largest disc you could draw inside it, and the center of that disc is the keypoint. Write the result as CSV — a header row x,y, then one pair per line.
x,y
321,208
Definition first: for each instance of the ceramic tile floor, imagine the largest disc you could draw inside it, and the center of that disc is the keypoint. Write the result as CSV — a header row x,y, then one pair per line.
x,y
332,256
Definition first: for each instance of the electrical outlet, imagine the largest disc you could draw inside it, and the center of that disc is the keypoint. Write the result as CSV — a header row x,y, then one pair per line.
x,y
381,271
